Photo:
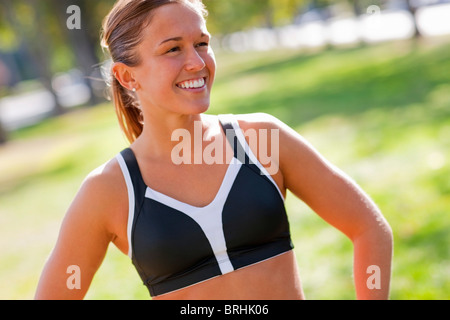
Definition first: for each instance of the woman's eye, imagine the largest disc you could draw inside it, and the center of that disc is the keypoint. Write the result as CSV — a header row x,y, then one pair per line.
x,y
203,44
174,49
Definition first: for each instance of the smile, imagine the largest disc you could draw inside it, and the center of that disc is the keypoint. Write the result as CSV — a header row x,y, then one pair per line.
x,y
192,84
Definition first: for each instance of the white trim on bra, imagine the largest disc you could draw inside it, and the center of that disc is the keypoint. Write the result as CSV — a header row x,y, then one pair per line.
x,y
131,199
209,217
240,135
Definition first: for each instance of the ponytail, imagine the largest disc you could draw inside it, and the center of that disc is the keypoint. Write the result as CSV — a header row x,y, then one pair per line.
x,y
127,111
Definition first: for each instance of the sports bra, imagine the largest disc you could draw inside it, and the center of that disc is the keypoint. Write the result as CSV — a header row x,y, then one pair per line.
x,y
174,245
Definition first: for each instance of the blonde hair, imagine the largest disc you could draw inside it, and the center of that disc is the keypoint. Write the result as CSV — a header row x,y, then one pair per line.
x,y
121,34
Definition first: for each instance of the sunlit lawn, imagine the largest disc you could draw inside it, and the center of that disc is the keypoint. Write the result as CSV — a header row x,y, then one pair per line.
x,y
380,113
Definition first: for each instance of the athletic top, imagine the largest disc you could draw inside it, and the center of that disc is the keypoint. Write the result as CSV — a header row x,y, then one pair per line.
x,y
174,245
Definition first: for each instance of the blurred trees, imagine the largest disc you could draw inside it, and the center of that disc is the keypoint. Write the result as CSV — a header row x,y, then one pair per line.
x,y
412,9
38,27
35,34
37,30
82,41
233,15
28,20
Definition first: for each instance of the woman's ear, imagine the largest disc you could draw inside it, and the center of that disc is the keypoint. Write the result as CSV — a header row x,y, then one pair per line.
x,y
124,74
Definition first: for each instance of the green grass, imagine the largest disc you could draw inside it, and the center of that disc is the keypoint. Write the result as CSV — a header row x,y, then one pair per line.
x,y
380,113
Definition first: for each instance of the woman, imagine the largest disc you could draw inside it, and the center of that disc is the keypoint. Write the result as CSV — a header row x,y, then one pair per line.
x,y
197,228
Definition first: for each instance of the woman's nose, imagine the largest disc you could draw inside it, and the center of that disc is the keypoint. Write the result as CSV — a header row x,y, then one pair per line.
x,y
194,62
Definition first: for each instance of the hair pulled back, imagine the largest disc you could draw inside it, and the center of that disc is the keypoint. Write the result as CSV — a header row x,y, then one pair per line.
x,y
122,32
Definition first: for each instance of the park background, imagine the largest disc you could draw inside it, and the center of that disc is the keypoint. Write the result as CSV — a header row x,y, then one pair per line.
x,y
366,82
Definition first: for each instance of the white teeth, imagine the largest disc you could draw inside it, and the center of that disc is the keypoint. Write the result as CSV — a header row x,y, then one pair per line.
x,y
192,84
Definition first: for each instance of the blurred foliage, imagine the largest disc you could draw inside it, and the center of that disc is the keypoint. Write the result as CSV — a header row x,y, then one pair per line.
x,y
234,15
38,28
380,113
30,22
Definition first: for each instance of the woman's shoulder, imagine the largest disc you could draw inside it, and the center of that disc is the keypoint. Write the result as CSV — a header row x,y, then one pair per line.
x,y
102,199
105,179
257,118
269,124
104,186
257,121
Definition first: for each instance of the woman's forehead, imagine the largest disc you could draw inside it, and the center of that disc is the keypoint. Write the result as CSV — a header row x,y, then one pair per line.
x,y
175,21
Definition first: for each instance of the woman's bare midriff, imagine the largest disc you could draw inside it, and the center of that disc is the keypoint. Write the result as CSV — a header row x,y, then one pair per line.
x,y
273,279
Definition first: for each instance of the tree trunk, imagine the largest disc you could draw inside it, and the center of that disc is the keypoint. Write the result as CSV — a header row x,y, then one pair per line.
x,y
413,9
80,41
3,134
36,45
356,8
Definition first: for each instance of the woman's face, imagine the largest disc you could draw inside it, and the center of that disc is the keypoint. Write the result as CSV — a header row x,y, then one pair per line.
x,y
177,66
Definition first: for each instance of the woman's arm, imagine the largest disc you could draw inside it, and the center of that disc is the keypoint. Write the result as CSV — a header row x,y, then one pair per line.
x,y
83,240
342,203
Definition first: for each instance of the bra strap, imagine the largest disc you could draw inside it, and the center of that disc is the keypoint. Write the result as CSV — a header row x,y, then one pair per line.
x,y
241,152
136,188
135,173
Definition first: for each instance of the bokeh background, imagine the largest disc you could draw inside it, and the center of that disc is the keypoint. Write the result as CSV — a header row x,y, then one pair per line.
x,y
367,82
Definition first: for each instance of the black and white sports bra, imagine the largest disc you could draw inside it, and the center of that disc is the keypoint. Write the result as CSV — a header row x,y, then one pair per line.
x,y
174,245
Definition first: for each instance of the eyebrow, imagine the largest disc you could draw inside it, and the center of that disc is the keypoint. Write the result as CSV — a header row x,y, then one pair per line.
x,y
181,38
171,39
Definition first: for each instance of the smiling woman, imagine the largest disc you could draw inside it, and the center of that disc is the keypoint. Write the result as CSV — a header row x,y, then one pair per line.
x,y
162,40
216,230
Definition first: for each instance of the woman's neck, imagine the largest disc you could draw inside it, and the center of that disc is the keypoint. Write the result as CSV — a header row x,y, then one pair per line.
x,y
162,133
